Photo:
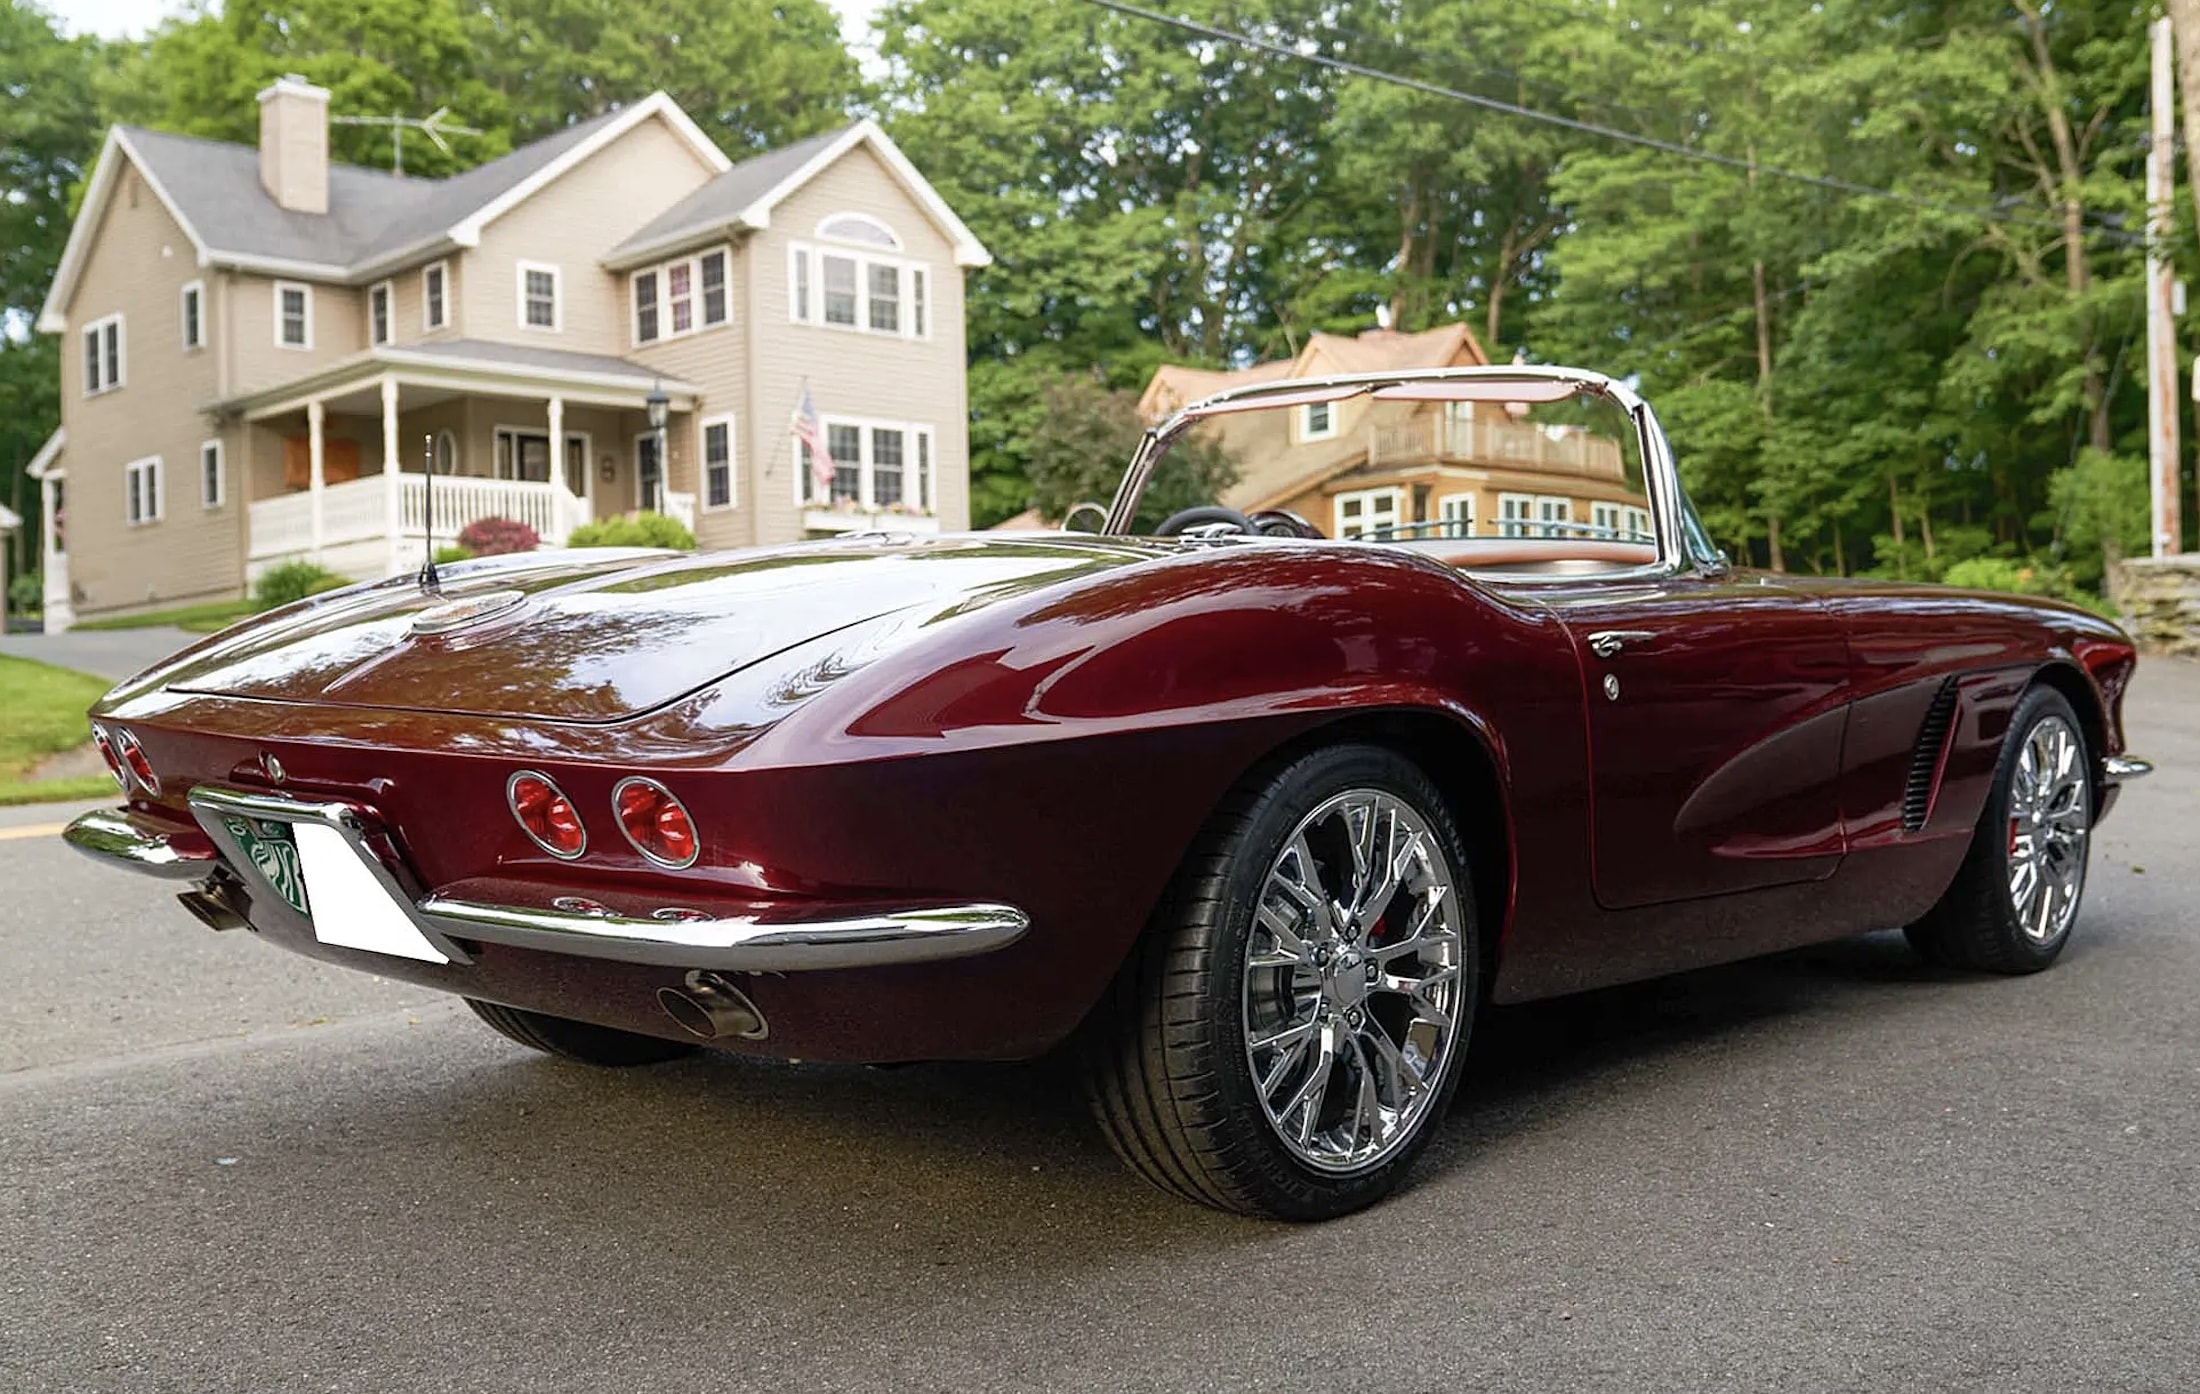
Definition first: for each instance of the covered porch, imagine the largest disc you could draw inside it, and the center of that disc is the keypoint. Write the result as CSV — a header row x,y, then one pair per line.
x,y
335,470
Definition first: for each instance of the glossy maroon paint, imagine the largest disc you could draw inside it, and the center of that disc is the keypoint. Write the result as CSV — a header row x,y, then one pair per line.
x,y
1047,721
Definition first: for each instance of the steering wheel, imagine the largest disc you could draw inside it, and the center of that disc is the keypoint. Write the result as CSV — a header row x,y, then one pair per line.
x,y
1280,522
1179,521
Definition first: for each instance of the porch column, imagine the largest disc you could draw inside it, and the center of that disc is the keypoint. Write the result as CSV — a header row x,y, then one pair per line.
x,y
393,478
316,414
558,524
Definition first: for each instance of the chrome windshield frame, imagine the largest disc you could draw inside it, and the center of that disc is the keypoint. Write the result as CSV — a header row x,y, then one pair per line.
x,y
1661,475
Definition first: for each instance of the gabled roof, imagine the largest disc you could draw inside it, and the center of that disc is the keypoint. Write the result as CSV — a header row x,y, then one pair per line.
x,y
375,221
41,464
10,520
1174,387
742,197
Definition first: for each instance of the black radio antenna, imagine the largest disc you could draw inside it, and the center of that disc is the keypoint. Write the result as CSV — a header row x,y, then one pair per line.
x,y
429,581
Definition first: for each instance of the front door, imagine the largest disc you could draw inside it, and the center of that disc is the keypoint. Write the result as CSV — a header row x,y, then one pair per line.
x,y
1716,706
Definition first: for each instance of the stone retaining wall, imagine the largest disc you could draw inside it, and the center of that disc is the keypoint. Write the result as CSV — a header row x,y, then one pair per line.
x,y
2160,601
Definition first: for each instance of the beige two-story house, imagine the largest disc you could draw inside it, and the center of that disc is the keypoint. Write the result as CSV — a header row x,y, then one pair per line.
x,y
269,352
1357,467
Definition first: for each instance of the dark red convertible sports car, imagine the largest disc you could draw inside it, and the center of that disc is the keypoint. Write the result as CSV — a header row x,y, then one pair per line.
x,y
1254,815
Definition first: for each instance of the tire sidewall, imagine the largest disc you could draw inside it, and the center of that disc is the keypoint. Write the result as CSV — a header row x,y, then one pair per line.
x,y
1993,841
1294,1189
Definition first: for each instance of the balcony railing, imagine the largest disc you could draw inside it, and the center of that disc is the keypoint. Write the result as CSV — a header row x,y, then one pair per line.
x,y
1503,444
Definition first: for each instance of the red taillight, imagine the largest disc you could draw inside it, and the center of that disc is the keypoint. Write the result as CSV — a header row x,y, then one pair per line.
x,y
546,815
655,822
106,746
140,767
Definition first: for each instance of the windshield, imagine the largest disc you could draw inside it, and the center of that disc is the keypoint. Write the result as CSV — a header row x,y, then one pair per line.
x,y
1493,468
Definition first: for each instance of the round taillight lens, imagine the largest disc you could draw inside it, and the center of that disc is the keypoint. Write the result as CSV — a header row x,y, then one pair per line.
x,y
140,768
655,822
106,746
546,815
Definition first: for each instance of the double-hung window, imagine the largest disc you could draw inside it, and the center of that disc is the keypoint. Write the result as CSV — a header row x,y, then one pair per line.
x,y
104,341
538,297
1366,511
681,297
878,467
213,488
192,313
1457,514
379,309
1318,421
141,491
294,314
860,285
435,297
717,454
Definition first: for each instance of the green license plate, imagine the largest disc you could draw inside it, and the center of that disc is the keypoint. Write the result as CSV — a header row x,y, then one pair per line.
x,y
274,854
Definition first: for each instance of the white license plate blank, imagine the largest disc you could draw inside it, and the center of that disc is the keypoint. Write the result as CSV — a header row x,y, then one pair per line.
x,y
350,908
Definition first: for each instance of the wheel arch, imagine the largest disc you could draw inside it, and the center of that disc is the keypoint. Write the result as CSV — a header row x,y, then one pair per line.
x,y
2071,681
1458,758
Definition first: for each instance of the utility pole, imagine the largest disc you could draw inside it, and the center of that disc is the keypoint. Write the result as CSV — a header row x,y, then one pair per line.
x,y
2162,375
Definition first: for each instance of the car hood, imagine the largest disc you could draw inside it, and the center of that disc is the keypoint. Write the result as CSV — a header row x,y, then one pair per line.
x,y
581,639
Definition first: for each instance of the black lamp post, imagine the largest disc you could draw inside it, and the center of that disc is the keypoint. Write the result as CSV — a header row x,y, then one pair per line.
x,y
660,407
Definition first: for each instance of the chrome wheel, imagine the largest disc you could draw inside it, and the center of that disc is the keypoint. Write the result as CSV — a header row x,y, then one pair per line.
x,y
2050,816
1352,979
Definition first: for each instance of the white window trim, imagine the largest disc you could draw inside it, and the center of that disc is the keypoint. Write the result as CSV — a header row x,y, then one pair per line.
x,y
1394,497
733,464
1307,433
427,325
151,465
1510,524
1544,518
520,270
114,375
698,324
184,318
926,491
1603,513
446,434
221,475
1469,506
1636,520
864,258
280,341
388,291
893,238
664,468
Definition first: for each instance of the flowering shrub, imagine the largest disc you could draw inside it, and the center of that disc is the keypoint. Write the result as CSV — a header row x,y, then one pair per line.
x,y
496,537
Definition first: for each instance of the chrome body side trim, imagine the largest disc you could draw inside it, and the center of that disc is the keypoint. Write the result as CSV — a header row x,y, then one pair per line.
x,y
2121,769
744,943
122,838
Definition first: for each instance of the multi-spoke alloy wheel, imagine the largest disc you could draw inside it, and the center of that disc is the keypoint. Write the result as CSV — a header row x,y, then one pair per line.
x,y
2011,907
2050,814
1293,1025
1351,983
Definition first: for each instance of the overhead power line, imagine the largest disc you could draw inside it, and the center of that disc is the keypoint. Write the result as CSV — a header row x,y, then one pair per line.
x,y
1613,133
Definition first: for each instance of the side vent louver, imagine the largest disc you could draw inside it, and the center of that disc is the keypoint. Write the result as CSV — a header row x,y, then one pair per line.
x,y
1932,740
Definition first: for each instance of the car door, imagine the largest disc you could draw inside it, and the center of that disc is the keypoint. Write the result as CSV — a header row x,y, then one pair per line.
x,y
1715,711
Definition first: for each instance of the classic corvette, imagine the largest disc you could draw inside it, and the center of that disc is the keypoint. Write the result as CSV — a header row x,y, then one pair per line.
x,y
1253,817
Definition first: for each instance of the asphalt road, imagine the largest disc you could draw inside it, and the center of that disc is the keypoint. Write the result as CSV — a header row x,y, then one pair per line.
x,y
222,1168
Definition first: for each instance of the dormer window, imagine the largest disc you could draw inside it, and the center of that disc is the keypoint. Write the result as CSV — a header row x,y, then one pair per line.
x,y
853,286
1318,421
680,297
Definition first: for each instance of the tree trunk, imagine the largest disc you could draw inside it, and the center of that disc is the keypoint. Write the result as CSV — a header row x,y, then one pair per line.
x,y
1774,555
1505,253
2070,169
2184,21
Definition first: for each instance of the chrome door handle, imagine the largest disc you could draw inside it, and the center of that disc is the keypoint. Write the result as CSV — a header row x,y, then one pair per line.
x,y
1607,643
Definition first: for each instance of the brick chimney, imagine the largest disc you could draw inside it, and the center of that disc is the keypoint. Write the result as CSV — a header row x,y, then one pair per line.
x,y
294,144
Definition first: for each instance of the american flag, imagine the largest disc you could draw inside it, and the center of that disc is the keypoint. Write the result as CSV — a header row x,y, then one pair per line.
x,y
811,432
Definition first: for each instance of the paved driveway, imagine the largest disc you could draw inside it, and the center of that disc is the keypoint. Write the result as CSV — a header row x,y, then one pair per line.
x,y
224,1168
113,654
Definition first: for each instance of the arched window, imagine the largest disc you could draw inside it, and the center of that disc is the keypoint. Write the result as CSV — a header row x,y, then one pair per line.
x,y
859,228
446,453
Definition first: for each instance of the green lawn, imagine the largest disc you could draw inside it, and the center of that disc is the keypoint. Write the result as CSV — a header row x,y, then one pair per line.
x,y
199,619
44,708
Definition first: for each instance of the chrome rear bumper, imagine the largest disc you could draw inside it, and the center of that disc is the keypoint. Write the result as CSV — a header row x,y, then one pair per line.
x,y
788,942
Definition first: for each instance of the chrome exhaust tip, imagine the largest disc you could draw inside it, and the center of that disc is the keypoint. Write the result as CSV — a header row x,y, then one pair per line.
x,y
710,1006
211,910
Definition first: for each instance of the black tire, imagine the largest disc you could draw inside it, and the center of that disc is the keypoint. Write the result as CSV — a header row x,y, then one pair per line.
x,y
1169,1068
577,1040
1975,925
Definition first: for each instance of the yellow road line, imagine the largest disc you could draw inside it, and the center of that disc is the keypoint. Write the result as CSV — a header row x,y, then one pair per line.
x,y
38,830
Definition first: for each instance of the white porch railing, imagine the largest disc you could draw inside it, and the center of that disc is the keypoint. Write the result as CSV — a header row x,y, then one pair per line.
x,y
355,512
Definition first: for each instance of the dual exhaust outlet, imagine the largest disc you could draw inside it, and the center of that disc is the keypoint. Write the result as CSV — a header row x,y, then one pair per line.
x,y
709,1006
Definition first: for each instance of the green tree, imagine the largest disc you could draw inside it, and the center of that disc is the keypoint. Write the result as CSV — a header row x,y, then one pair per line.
x,y
754,73
1084,436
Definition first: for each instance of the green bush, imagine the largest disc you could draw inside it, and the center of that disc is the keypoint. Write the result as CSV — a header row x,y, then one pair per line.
x,y
444,556
641,530
294,580
26,594
2022,578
